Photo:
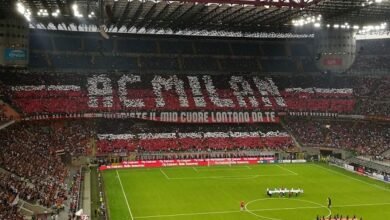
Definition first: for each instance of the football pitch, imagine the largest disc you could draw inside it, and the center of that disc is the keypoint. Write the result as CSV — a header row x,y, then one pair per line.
x,y
211,193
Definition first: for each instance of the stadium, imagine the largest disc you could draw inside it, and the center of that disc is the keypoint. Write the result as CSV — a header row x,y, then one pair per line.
x,y
194,109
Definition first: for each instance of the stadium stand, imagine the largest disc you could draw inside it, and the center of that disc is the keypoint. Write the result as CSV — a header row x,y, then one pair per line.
x,y
363,137
30,152
79,75
160,137
56,51
8,210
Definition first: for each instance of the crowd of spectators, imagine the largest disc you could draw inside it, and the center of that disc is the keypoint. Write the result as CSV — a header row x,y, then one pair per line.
x,y
34,93
188,140
2,93
31,152
34,193
321,93
3,117
10,188
370,63
363,137
376,99
74,192
204,154
374,47
373,108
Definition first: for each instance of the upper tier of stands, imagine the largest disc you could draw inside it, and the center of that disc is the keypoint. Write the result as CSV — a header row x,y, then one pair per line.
x,y
136,44
64,50
88,51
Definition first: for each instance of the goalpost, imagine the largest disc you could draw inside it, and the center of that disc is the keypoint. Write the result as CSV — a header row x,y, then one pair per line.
x,y
228,159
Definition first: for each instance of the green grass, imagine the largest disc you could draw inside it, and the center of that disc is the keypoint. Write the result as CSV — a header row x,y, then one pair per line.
x,y
211,193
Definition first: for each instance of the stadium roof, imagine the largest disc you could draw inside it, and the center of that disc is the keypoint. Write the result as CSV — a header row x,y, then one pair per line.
x,y
247,16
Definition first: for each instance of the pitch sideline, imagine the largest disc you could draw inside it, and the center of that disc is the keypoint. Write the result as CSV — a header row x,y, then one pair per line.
x,y
124,194
350,177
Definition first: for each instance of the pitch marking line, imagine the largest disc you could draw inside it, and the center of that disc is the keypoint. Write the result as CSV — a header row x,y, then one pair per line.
x,y
223,169
166,176
353,178
196,170
256,210
187,214
284,168
124,194
292,208
229,177
248,167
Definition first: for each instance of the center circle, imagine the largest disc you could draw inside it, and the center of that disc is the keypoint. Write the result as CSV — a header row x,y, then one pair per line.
x,y
284,208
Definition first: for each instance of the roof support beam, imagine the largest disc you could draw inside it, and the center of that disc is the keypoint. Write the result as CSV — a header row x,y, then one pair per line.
x,y
276,3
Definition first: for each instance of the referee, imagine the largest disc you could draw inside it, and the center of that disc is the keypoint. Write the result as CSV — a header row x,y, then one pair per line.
x,y
329,202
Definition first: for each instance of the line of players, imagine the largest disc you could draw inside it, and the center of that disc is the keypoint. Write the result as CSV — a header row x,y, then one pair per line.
x,y
284,192
338,217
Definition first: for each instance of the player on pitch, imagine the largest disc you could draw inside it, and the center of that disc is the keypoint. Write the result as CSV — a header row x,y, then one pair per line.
x,y
242,205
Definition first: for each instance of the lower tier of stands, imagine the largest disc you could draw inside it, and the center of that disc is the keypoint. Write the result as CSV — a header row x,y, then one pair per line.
x,y
364,137
178,142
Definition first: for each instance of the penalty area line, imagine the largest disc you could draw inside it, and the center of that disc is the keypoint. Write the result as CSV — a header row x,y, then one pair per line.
x,y
124,194
284,168
230,177
166,176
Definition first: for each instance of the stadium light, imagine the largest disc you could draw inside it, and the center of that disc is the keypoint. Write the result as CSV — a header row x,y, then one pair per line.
x,y
76,12
370,2
56,13
92,15
20,8
23,11
42,13
315,20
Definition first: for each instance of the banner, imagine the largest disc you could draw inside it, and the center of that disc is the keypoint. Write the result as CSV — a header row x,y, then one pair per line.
x,y
378,118
291,161
177,117
315,114
360,170
348,167
15,54
189,162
